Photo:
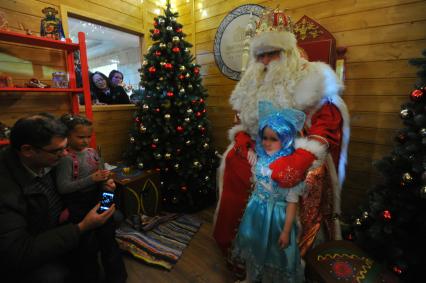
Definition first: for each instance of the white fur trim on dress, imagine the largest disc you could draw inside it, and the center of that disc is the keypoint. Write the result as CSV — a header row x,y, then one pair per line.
x,y
219,181
234,130
315,147
272,40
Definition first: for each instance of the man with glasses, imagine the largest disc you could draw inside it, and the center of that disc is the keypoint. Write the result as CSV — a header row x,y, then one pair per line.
x,y
35,246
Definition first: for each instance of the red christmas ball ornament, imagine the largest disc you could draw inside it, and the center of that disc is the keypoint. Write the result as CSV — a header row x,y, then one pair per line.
x,y
157,110
196,71
153,146
168,66
181,77
179,129
417,95
183,188
198,114
176,49
157,53
202,129
397,270
178,150
170,94
178,30
156,31
204,110
155,24
387,215
137,119
152,70
201,100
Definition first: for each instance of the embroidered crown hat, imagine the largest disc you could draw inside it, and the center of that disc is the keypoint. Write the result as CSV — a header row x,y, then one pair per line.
x,y
274,32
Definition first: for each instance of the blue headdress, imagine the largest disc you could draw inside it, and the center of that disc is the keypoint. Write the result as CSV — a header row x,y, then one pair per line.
x,y
284,122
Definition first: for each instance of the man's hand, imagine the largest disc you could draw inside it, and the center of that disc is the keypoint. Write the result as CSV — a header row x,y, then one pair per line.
x,y
290,170
93,219
251,157
243,143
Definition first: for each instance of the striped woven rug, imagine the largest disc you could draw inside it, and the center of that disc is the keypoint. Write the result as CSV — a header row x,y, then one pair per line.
x,y
161,246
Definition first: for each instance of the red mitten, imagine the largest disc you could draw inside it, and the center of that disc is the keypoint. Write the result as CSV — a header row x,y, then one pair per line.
x,y
243,143
290,170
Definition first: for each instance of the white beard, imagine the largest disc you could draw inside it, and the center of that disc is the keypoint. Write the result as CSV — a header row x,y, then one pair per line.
x,y
275,83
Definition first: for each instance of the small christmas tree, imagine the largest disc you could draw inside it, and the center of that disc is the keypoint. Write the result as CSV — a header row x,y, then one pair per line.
x,y
171,130
392,224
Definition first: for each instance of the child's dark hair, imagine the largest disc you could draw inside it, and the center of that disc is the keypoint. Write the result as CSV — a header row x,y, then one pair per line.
x,y
71,121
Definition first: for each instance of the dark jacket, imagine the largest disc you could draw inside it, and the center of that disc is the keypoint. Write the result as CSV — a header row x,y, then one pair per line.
x,y
117,95
26,241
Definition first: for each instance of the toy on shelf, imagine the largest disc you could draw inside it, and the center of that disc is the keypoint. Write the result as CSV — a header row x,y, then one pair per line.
x,y
6,81
51,26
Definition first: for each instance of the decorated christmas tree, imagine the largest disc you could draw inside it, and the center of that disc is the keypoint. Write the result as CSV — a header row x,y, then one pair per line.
x,y
391,226
171,130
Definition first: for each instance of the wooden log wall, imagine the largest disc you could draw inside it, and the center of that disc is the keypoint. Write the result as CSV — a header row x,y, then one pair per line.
x,y
380,35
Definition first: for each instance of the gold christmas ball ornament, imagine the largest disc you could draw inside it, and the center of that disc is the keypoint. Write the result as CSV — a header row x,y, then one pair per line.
x,y
176,166
406,177
205,145
175,39
169,28
132,139
189,111
182,68
173,19
162,63
206,178
142,128
423,191
140,165
145,107
168,156
155,140
186,49
187,119
157,156
358,222
365,214
190,87
187,75
161,78
161,21
199,126
162,45
167,116
188,142
182,91
144,62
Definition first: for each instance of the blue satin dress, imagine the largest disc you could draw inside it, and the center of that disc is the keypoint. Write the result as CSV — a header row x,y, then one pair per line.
x,y
256,242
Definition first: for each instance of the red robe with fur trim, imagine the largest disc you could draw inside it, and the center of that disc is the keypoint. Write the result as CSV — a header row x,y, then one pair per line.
x,y
325,138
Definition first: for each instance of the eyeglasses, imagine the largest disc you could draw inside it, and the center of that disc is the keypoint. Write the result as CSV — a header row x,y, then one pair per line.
x,y
57,151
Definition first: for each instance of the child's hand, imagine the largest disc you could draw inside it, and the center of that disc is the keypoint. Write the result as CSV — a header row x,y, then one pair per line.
x,y
109,185
100,175
284,240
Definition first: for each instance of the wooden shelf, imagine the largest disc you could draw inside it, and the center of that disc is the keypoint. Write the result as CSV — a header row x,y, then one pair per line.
x,y
37,41
30,89
4,142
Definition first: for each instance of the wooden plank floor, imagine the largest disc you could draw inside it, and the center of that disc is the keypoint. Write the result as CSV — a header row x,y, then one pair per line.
x,y
201,262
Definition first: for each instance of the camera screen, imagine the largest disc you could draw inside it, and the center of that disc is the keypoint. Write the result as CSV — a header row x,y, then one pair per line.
x,y
106,201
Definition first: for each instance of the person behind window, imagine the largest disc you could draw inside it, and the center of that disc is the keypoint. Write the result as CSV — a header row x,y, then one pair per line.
x,y
116,78
105,92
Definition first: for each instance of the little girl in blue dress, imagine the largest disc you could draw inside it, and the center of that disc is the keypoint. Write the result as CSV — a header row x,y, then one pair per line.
x,y
267,236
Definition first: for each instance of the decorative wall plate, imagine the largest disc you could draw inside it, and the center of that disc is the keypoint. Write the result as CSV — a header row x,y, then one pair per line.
x,y
230,36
